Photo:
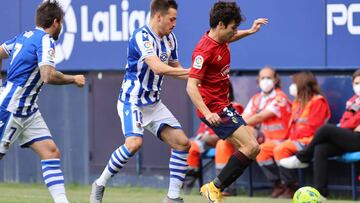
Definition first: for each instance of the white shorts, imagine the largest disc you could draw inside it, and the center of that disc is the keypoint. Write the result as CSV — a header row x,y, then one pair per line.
x,y
151,117
25,129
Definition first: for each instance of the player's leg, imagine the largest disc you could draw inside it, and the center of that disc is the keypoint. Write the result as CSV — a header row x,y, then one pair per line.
x,y
179,144
232,129
131,122
247,150
36,135
224,150
165,126
9,131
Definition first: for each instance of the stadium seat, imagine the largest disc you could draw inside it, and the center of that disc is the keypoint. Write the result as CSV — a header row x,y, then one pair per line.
x,y
351,158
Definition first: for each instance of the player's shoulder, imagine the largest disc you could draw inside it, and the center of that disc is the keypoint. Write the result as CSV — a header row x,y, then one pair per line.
x,y
39,37
204,46
142,34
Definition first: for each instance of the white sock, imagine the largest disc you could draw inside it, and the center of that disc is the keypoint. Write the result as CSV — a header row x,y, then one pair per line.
x,y
54,179
178,167
117,160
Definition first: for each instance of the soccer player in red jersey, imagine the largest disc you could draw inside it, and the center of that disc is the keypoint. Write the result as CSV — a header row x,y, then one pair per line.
x,y
208,88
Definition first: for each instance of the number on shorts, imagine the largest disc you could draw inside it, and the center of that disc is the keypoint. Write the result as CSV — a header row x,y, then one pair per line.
x,y
138,116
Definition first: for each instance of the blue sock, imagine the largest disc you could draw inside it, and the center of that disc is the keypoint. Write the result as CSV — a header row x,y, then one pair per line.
x,y
117,160
54,179
178,166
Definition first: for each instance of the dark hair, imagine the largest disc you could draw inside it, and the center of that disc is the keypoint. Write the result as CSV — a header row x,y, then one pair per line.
x,y
307,86
47,12
356,74
225,12
162,6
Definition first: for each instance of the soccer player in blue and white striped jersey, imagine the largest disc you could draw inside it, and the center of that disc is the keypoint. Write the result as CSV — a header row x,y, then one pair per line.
x,y
32,63
152,54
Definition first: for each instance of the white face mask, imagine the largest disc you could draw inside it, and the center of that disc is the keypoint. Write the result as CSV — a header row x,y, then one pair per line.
x,y
356,89
266,85
293,89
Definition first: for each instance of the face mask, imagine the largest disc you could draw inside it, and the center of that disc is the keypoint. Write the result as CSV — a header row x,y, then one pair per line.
x,y
293,90
266,85
356,89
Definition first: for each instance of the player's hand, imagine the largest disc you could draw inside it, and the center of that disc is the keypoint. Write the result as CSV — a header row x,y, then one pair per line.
x,y
79,80
258,23
213,118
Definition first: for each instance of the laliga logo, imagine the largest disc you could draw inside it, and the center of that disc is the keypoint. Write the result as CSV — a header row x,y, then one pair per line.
x,y
339,14
64,49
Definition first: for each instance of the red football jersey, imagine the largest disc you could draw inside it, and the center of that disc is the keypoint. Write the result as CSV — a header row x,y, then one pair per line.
x,y
211,65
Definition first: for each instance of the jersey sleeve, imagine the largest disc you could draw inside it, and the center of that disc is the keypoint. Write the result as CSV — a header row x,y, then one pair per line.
x,y
174,57
8,45
143,44
198,67
46,51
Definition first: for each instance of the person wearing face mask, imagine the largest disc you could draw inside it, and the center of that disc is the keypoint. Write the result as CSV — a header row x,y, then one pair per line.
x,y
331,140
310,111
269,112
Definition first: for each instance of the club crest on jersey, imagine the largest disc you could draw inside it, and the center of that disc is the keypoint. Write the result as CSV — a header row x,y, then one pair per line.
x,y
198,62
163,57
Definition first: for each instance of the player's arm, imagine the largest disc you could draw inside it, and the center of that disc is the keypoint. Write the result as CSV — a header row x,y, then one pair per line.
x,y
51,76
178,65
160,68
3,55
259,117
194,94
254,28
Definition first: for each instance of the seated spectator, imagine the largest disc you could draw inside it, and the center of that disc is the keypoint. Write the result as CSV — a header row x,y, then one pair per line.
x,y
269,112
310,110
331,140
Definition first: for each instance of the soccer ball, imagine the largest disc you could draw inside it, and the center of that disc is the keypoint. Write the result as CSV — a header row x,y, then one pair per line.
x,y
307,195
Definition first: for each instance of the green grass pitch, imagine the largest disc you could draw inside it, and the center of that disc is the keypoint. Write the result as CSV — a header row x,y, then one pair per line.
x,y
37,193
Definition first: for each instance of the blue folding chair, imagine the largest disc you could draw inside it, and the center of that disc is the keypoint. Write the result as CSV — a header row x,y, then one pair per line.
x,y
351,158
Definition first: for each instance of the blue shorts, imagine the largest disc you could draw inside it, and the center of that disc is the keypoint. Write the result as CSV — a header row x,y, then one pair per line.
x,y
230,122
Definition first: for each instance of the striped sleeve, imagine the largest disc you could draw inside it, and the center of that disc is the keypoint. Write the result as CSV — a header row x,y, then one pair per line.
x,y
8,46
144,44
174,48
46,51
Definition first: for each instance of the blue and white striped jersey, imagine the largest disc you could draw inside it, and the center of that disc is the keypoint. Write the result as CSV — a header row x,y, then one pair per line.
x,y
141,86
27,52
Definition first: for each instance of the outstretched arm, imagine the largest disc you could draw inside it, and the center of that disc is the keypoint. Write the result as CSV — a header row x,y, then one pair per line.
x,y
254,28
178,65
194,94
51,76
161,68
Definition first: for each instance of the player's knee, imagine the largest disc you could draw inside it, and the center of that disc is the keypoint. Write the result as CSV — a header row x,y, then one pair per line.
x,y
54,152
252,149
133,144
255,149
